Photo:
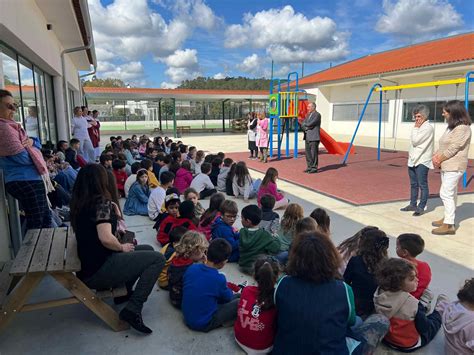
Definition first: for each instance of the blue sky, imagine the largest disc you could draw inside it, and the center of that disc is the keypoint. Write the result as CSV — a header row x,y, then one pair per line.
x,y
159,43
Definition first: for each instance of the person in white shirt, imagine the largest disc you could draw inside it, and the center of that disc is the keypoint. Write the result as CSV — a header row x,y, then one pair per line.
x,y
79,131
157,196
31,122
419,160
202,182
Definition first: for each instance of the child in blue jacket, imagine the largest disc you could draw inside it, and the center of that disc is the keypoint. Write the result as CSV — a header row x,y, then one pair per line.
x,y
222,228
137,199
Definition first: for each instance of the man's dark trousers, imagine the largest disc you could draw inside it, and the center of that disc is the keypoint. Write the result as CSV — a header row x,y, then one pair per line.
x,y
311,151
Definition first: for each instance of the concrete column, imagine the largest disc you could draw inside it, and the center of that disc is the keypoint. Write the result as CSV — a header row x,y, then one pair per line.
x,y
62,123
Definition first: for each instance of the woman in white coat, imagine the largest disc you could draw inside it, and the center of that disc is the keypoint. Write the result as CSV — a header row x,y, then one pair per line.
x,y
79,131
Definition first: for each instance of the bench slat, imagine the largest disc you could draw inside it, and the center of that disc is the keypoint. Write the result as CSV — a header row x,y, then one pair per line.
x,y
22,260
58,248
72,259
5,281
39,261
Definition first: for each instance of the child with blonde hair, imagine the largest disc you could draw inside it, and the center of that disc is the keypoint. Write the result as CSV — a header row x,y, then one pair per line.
x,y
191,249
293,213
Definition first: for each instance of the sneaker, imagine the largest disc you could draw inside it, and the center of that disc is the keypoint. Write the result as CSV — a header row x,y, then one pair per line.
x,y
445,229
418,212
135,320
408,208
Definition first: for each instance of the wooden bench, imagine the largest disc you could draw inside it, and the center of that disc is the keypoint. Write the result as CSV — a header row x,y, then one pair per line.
x,y
182,129
51,251
156,130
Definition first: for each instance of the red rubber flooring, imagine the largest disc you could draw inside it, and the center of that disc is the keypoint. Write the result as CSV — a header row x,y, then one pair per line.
x,y
363,181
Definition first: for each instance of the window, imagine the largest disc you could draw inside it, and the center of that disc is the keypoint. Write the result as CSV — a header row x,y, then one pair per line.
x,y
27,106
351,112
10,76
50,104
41,105
436,108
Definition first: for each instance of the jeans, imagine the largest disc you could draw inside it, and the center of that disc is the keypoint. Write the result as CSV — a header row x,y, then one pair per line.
x,y
371,332
226,312
418,181
448,193
311,152
144,264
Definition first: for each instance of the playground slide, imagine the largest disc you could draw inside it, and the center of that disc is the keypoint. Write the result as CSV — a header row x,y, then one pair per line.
x,y
332,146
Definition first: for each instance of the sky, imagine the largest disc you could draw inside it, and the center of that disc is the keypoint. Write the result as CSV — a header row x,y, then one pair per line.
x,y
160,43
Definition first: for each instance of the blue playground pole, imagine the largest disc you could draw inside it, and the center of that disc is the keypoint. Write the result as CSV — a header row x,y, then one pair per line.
x,y
380,125
360,120
271,137
466,104
295,151
279,141
287,125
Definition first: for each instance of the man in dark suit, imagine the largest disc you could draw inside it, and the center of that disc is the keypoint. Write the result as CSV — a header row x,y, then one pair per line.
x,y
311,125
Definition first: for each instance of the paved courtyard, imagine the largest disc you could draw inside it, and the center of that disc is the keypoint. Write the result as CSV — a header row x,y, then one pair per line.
x,y
74,330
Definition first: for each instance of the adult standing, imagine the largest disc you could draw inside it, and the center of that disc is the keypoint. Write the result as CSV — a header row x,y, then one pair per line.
x,y
105,262
94,132
80,131
31,122
452,158
252,135
25,171
419,159
311,126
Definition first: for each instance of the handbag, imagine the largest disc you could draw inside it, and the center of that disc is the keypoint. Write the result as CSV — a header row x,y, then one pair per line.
x,y
123,235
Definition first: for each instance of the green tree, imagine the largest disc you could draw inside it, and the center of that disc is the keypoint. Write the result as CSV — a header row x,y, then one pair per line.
x,y
106,83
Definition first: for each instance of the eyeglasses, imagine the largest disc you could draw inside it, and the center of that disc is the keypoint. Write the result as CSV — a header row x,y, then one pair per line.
x,y
12,107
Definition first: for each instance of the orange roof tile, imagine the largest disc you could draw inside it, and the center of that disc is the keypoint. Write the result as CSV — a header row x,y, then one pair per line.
x,y
447,50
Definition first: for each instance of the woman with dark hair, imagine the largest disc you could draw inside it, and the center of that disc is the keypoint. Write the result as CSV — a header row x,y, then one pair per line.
x,y
452,157
322,327
25,171
105,263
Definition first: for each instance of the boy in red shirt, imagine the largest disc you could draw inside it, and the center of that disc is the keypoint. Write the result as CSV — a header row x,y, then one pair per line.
x,y
121,176
409,246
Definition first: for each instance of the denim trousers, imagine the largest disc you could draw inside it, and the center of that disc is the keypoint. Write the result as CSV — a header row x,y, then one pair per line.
x,y
418,182
144,264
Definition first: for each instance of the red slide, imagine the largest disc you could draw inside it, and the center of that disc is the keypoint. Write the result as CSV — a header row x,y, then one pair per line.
x,y
331,145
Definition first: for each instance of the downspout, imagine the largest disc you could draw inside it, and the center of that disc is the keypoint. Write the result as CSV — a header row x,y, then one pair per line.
x,y
80,83
65,91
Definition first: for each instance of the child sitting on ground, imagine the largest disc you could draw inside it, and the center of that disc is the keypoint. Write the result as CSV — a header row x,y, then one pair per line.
x,y
410,327
229,181
106,161
243,185
120,175
322,219
169,252
183,177
172,203
137,200
157,197
350,246
148,166
190,249
286,233
255,325
215,171
254,241
409,246
191,194
202,183
184,218
360,271
209,217
132,177
269,186
224,172
207,301
270,219
458,320
197,162
222,228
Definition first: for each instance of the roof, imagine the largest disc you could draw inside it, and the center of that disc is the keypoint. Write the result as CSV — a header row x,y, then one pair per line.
x,y
454,49
180,94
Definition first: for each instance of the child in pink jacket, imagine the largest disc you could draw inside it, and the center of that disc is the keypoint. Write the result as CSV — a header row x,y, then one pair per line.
x,y
184,177
262,136
269,187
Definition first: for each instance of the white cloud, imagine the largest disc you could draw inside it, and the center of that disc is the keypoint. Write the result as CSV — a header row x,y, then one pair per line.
x,y
251,64
182,65
127,31
261,67
298,37
418,17
132,73
219,76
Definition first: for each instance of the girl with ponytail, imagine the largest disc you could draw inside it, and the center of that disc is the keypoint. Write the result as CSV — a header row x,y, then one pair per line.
x,y
255,325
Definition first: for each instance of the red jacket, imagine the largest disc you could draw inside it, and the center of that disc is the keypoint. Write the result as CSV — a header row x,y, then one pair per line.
x,y
424,278
183,179
253,327
168,224
120,177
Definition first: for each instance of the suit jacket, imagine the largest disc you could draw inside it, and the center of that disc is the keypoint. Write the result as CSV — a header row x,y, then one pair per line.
x,y
311,125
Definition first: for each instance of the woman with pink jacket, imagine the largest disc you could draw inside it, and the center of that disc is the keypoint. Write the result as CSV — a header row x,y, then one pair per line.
x,y
262,136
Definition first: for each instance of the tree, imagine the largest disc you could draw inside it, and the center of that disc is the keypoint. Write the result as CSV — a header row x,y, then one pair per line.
x,y
105,83
228,83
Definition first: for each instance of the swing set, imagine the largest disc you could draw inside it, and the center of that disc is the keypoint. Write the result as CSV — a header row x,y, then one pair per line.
x,y
398,88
